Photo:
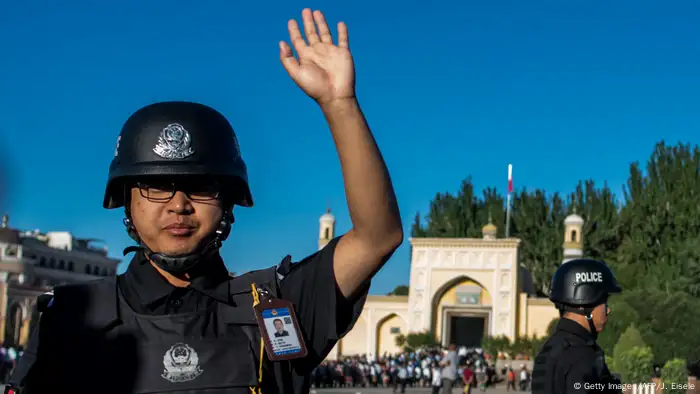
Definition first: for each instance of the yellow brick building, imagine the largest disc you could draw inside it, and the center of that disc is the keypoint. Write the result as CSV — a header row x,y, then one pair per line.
x,y
461,289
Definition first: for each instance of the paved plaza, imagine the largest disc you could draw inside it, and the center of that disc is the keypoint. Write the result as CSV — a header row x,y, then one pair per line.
x,y
374,390
500,389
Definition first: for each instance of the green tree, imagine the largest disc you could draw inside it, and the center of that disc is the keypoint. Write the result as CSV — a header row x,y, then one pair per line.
x,y
630,338
635,365
537,219
651,240
661,239
538,222
419,340
675,375
600,210
417,227
401,290
662,318
400,340
493,345
623,314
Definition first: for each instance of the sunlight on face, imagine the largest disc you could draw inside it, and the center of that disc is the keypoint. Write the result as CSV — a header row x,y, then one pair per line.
x,y
175,227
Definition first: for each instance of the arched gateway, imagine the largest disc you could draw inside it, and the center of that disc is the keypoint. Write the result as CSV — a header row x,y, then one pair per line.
x,y
464,289
461,290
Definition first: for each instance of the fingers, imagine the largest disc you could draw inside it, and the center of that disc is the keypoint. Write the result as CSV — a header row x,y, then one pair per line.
x,y
323,30
310,27
295,36
343,37
311,20
290,63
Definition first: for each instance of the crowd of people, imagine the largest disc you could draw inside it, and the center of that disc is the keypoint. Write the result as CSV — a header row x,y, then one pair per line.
x,y
441,369
8,360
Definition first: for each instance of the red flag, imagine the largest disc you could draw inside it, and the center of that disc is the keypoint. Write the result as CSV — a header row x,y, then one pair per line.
x,y
510,178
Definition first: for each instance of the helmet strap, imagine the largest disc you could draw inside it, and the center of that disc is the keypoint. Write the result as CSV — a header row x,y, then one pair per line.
x,y
180,264
586,312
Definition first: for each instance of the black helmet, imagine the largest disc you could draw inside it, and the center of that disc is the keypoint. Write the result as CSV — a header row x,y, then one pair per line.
x,y
177,138
580,285
582,282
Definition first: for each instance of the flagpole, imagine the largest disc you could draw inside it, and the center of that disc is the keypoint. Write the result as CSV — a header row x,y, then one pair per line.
x,y
510,190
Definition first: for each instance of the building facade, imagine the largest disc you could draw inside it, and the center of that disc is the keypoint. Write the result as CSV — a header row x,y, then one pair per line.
x,y
461,290
32,263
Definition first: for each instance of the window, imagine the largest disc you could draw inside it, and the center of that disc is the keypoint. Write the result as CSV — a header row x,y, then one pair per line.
x,y
468,295
88,269
42,262
573,235
70,266
396,330
61,264
96,271
11,251
52,263
327,233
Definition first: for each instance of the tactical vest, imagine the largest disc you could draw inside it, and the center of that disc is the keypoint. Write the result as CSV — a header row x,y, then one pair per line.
x,y
218,350
544,368
550,356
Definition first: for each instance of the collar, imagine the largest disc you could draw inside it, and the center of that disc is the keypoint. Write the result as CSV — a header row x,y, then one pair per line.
x,y
150,286
575,328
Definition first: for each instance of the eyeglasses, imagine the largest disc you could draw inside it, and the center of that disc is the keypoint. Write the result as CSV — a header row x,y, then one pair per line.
x,y
165,191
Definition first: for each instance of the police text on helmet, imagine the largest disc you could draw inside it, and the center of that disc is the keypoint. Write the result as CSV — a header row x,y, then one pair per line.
x,y
589,277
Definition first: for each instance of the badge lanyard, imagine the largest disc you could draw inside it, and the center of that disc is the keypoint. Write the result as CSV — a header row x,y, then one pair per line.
x,y
279,327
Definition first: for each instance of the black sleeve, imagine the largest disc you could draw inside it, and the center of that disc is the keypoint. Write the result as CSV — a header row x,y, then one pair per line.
x,y
580,376
324,314
33,372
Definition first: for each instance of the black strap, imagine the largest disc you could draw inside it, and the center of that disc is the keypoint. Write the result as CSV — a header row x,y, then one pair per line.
x,y
585,311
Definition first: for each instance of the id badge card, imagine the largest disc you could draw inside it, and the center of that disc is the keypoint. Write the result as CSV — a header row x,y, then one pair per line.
x,y
279,329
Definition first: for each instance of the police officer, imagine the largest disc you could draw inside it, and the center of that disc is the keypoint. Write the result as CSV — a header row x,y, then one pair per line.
x,y
571,361
176,321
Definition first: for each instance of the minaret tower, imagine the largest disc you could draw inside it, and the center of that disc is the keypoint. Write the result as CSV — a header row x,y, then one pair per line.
x,y
326,229
573,237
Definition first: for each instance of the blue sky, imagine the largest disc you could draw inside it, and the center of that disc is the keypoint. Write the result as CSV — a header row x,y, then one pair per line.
x,y
563,90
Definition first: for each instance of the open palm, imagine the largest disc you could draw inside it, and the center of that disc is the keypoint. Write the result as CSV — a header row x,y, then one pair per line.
x,y
323,70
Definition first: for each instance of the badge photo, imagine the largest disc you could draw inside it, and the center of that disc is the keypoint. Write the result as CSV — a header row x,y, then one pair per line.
x,y
280,330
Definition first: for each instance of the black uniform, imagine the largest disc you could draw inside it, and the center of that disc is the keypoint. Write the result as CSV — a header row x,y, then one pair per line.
x,y
136,333
575,358
571,361
112,335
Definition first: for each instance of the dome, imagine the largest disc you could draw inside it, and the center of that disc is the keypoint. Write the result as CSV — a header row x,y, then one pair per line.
x,y
489,229
573,219
328,216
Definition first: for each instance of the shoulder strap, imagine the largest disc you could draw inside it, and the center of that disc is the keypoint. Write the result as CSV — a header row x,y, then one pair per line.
x,y
93,304
244,295
261,355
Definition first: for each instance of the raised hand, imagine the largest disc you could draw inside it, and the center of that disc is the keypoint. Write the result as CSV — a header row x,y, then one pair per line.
x,y
323,70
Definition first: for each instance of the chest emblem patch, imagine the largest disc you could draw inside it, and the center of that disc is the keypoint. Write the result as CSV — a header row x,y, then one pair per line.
x,y
181,364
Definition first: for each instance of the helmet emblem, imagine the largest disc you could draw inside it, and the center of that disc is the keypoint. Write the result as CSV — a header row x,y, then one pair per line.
x,y
174,142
